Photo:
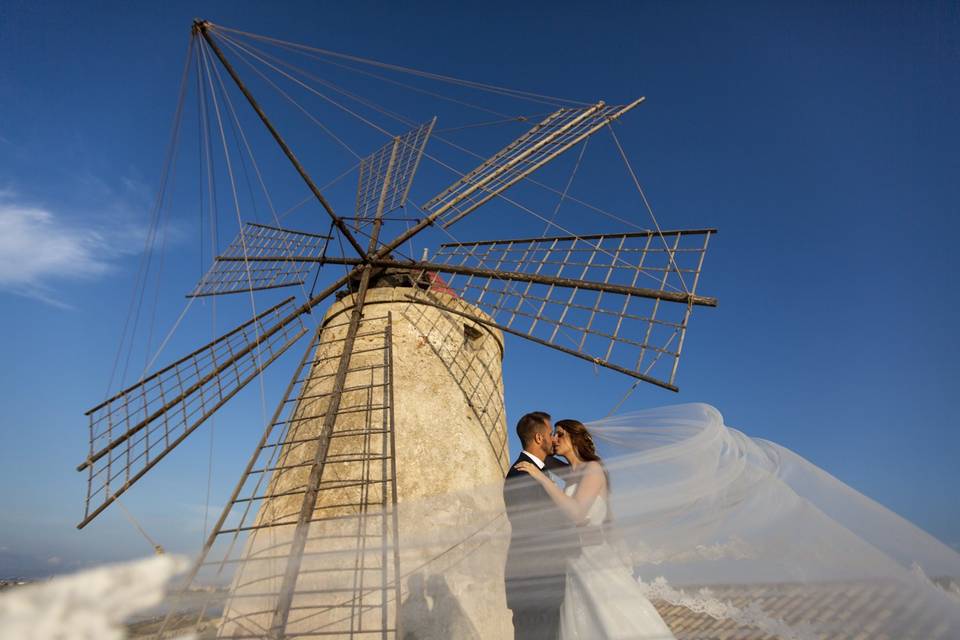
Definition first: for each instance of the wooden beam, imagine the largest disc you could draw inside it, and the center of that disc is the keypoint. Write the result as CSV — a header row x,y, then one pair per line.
x,y
518,276
594,236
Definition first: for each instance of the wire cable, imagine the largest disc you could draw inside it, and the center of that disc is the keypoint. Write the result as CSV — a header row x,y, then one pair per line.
x,y
514,93
145,258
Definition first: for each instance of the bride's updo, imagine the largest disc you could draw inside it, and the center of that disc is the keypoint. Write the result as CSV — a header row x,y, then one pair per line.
x,y
580,438
582,443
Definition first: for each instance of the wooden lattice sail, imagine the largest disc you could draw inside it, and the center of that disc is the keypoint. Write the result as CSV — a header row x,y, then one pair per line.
x,y
136,428
604,298
392,166
557,133
234,273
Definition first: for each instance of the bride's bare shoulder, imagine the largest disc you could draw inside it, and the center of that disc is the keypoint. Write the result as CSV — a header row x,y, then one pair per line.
x,y
595,471
592,466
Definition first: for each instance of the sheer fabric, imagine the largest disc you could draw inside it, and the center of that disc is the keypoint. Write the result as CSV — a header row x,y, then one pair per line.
x,y
746,530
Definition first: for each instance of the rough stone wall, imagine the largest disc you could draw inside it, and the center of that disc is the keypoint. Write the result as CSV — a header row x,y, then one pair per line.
x,y
450,435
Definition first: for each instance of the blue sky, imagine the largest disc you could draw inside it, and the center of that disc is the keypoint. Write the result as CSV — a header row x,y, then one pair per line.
x,y
821,140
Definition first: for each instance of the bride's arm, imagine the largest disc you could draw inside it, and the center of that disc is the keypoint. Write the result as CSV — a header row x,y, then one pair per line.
x,y
578,505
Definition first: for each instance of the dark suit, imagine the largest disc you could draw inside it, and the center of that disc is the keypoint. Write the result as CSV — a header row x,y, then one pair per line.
x,y
542,539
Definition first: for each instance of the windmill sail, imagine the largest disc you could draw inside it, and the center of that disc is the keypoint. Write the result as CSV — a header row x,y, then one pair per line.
x,y
135,429
387,174
561,130
607,298
233,271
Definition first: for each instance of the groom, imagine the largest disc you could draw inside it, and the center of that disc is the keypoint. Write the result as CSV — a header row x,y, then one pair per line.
x,y
542,537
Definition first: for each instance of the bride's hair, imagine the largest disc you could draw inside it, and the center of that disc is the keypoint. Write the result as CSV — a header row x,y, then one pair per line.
x,y
582,443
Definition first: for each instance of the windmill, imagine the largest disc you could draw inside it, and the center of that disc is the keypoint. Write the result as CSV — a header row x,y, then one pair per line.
x,y
313,527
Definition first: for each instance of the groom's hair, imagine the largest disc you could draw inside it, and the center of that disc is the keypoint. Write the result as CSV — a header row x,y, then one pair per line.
x,y
530,424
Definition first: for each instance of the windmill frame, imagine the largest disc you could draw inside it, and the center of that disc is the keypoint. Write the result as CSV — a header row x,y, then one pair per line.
x,y
279,257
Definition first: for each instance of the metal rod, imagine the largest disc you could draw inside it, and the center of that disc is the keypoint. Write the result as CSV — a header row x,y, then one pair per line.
x,y
573,293
393,477
596,304
626,301
291,283
202,27
546,296
643,292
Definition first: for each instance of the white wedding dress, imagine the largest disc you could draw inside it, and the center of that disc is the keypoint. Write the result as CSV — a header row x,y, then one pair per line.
x,y
602,598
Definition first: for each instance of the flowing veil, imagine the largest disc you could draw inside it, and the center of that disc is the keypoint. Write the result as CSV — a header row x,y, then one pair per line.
x,y
726,535
740,531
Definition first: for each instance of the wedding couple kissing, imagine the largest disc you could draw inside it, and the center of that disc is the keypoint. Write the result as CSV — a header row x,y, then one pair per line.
x,y
563,579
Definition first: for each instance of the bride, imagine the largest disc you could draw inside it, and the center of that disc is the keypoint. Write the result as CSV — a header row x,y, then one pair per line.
x,y
602,599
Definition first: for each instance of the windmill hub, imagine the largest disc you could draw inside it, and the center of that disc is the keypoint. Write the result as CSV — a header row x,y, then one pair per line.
x,y
390,277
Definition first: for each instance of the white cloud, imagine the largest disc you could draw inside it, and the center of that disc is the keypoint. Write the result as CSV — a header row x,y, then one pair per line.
x,y
39,248
35,246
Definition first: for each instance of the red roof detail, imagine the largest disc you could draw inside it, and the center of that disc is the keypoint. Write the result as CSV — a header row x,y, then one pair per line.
x,y
437,283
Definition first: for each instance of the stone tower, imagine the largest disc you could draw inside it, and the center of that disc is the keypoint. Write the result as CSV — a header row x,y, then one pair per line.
x,y
449,438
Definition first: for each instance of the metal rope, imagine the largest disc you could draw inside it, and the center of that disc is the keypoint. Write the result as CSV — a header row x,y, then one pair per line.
x,y
323,188
310,116
233,190
157,547
409,122
514,93
236,47
643,196
403,84
379,108
149,240
256,168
